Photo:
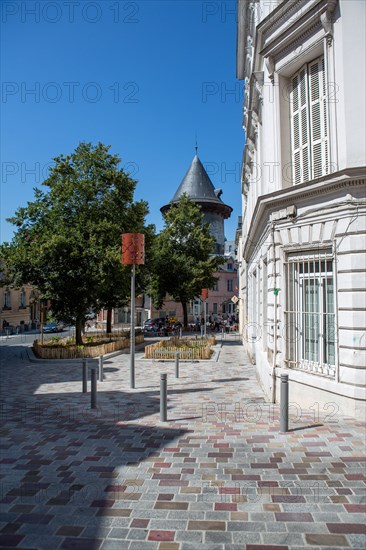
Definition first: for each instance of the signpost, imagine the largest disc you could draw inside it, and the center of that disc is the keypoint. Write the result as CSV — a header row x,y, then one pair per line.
x,y
133,253
204,295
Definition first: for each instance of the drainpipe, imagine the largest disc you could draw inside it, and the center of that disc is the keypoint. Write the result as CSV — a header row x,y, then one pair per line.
x,y
273,397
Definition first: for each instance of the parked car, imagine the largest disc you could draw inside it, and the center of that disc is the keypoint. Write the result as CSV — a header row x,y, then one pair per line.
x,y
152,325
53,327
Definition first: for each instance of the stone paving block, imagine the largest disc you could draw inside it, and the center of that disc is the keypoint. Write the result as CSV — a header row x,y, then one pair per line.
x,y
189,536
209,546
246,538
217,537
287,539
295,527
115,544
357,541
326,540
143,545
70,543
117,533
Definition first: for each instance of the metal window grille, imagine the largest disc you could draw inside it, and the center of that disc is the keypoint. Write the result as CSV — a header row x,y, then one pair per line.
x,y
310,314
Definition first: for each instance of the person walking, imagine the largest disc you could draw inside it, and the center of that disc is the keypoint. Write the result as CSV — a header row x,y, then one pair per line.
x,y
202,327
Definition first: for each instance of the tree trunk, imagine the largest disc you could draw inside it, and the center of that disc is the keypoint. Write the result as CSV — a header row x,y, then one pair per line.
x,y
109,319
185,314
78,330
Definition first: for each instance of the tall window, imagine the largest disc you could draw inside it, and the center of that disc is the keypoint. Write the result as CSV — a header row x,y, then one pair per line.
x,y
230,285
7,299
197,308
309,132
214,308
216,286
22,298
310,314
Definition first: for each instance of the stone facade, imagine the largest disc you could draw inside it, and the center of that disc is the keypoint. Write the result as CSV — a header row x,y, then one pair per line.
x,y
301,245
19,306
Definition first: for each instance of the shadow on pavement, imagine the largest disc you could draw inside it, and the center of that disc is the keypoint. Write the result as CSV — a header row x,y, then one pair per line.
x,y
62,462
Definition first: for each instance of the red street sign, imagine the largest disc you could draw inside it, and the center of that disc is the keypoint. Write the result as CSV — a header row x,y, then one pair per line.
x,y
133,248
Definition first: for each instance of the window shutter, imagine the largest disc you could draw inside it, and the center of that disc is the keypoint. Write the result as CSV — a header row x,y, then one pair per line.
x,y
318,119
300,126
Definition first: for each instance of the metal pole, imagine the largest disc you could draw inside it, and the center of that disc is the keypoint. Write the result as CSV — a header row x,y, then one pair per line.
x,y
42,321
93,394
177,364
163,397
204,316
284,403
132,331
85,376
100,364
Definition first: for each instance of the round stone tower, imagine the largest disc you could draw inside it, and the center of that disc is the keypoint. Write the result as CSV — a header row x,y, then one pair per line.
x,y
200,189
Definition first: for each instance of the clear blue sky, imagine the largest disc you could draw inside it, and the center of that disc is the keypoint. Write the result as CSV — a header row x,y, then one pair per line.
x,y
142,76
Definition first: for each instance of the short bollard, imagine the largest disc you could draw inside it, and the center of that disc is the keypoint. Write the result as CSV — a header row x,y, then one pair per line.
x,y
163,397
100,364
177,364
93,393
85,376
284,403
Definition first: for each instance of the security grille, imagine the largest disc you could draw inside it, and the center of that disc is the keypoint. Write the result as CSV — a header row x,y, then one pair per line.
x,y
310,314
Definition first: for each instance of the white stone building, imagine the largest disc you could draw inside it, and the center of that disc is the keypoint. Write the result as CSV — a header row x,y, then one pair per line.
x,y
301,245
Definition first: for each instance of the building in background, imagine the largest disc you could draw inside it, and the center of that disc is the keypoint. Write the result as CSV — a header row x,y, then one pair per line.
x,y
301,242
19,307
200,189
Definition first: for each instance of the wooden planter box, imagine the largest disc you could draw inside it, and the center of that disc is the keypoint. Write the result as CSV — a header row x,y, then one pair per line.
x,y
76,352
187,349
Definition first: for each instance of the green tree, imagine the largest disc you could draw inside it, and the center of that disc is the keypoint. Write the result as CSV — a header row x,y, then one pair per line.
x,y
183,260
68,240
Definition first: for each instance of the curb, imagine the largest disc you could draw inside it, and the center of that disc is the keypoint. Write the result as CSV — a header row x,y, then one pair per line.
x,y
33,359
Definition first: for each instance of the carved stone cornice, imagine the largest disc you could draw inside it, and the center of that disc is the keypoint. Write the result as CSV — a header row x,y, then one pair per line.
x,y
326,20
296,194
307,17
270,66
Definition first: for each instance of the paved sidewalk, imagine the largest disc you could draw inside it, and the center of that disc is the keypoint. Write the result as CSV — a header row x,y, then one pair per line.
x,y
217,475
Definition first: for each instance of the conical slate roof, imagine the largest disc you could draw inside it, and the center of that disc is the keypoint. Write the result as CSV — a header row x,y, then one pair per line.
x,y
198,186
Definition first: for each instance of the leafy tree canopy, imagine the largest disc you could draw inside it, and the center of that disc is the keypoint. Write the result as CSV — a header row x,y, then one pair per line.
x,y
183,262
68,240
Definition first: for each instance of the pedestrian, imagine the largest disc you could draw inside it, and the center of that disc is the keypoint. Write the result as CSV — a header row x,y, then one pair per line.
x,y
202,326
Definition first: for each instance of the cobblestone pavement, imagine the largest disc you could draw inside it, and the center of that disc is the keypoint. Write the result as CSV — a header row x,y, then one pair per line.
x,y
217,475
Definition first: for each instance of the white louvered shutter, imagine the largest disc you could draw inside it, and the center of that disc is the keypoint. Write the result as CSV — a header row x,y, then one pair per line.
x,y
300,139
318,119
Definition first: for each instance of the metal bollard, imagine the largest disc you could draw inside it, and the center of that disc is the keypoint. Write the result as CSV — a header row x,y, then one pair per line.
x,y
284,403
177,364
163,397
100,364
85,376
93,393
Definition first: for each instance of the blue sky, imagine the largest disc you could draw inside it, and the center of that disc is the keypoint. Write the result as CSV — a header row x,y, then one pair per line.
x,y
141,76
